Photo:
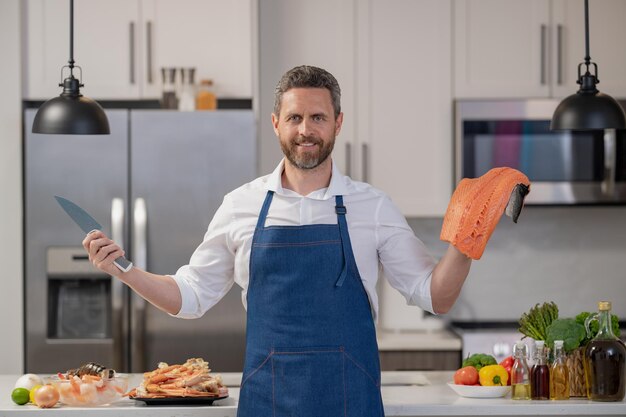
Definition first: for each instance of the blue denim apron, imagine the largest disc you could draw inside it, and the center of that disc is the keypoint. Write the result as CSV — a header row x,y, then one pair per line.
x,y
311,346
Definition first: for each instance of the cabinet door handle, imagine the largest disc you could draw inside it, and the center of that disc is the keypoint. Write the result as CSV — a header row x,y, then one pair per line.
x,y
544,30
131,48
365,158
559,54
149,50
348,159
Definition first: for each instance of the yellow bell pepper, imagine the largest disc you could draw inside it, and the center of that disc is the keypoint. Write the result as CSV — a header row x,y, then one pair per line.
x,y
491,375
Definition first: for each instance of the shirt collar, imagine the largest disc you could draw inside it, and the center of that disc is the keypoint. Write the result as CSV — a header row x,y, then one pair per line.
x,y
339,184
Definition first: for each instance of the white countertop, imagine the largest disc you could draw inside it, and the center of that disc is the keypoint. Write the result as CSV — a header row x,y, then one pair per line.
x,y
432,340
433,399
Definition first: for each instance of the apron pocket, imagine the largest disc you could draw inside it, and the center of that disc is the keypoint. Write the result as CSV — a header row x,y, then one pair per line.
x,y
255,395
308,381
363,396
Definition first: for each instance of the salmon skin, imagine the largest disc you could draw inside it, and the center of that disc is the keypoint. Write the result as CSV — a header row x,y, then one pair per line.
x,y
477,205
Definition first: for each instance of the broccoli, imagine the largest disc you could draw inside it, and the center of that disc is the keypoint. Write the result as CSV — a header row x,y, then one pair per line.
x,y
478,360
569,331
594,327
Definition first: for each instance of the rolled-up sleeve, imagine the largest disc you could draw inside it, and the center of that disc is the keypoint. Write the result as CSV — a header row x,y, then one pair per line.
x,y
209,274
406,263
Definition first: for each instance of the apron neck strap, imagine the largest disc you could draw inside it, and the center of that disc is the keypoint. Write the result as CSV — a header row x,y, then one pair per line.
x,y
266,206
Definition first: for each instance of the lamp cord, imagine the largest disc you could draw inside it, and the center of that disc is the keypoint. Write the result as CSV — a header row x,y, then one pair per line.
x,y
587,57
71,61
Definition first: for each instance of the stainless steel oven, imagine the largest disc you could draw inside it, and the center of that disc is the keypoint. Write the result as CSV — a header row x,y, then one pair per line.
x,y
563,167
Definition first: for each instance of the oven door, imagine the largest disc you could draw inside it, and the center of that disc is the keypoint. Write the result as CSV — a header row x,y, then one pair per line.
x,y
563,167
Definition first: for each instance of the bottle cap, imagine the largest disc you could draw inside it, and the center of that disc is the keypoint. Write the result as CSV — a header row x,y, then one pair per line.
x,y
558,343
539,344
604,305
520,348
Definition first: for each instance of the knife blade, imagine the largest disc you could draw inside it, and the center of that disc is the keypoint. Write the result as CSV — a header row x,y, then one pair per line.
x,y
88,224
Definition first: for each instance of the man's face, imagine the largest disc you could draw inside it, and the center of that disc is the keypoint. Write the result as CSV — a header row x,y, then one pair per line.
x,y
306,126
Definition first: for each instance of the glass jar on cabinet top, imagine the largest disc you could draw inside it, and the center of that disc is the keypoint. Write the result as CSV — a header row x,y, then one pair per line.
x,y
205,98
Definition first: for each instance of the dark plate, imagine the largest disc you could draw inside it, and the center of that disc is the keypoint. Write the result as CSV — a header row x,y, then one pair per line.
x,y
179,400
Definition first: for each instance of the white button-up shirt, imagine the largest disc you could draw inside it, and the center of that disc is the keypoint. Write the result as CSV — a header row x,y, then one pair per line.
x,y
380,236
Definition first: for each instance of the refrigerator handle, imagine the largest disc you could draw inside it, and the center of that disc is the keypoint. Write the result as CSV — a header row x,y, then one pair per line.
x,y
138,304
119,324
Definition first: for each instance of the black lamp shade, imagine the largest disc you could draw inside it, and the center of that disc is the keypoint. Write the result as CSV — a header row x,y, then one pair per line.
x,y
583,111
71,115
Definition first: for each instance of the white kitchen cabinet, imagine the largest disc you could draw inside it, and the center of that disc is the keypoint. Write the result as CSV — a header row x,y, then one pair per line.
x,y
392,61
304,32
607,32
404,103
531,48
122,44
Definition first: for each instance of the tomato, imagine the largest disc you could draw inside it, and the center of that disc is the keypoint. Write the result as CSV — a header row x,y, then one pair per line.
x,y
466,376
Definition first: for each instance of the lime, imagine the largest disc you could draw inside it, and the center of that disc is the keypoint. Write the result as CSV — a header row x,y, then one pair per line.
x,y
20,396
31,394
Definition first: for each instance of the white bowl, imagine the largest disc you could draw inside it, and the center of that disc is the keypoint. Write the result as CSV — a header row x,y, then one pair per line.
x,y
478,391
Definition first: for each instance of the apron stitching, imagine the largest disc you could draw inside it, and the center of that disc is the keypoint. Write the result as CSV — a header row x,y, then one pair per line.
x,y
255,371
362,369
303,226
345,391
273,391
307,351
278,245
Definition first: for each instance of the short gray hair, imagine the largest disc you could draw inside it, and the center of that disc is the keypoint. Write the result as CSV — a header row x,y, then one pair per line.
x,y
306,76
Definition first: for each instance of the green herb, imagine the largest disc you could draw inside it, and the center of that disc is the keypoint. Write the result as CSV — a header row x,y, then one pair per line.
x,y
594,326
536,321
569,331
478,360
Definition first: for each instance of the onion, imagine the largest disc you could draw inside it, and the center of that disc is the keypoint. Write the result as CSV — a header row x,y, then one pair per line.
x,y
28,381
46,396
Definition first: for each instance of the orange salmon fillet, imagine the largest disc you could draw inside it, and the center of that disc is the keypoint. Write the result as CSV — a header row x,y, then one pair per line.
x,y
476,207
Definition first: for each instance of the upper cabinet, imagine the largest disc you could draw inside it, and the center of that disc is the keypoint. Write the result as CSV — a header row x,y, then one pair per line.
x,y
606,33
395,82
121,45
532,48
305,32
405,110
500,48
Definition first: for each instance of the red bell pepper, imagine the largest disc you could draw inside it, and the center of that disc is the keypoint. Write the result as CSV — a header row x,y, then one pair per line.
x,y
507,363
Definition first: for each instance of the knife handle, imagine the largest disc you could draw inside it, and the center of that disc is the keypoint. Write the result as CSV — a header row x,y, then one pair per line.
x,y
123,264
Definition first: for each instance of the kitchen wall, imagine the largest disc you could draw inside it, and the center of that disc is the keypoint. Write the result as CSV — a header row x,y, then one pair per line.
x,y
574,256
11,298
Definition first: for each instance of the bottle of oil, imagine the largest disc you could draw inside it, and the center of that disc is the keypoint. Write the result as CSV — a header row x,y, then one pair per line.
x,y
540,374
605,359
559,375
520,374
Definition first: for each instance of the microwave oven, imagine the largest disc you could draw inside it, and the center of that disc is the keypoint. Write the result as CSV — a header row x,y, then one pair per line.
x,y
563,167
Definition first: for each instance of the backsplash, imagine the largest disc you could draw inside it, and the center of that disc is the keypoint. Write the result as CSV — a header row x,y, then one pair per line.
x,y
574,256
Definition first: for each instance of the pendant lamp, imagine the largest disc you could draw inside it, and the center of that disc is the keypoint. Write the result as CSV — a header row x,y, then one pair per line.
x,y
71,113
588,109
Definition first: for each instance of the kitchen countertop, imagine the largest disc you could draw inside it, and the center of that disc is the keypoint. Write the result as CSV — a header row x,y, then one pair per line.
x,y
432,399
430,340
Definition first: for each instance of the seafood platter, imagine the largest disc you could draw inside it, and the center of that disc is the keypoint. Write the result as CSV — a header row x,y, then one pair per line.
x,y
189,383
89,385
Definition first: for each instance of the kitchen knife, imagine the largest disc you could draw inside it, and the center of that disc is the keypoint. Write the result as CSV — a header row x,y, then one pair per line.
x,y
88,224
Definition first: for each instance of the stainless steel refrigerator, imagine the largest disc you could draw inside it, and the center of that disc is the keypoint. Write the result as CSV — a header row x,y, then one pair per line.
x,y
154,185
